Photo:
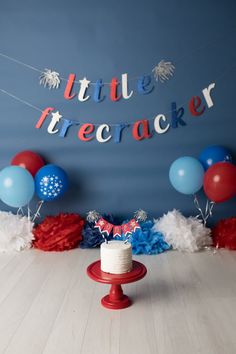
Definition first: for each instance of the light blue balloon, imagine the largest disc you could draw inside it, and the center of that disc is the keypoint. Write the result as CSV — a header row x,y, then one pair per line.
x,y
186,175
16,186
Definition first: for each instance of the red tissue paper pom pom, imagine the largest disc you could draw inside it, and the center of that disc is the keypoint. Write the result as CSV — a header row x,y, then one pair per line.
x,y
224,234
59,233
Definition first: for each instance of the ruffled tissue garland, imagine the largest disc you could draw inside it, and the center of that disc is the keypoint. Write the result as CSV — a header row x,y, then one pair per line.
x,y
91,236
183,234
15,232
144,240
224,234
59,233
147,240
67,231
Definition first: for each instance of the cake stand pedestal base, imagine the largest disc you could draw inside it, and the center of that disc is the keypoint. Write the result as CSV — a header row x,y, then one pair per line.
x,y
116,300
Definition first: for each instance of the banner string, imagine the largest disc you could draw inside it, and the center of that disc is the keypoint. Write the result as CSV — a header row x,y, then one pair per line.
x,y
20,100
202,47
20,62
229,68
77,121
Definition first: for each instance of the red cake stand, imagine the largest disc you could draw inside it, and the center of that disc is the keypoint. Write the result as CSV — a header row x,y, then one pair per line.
x,y
116,300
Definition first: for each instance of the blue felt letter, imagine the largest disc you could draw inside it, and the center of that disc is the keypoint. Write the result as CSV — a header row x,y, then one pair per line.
x,y
177,116
66,124
118,131
97,91
143,83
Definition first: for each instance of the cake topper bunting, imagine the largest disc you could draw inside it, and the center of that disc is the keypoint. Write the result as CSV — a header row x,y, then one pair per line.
x,y
106,228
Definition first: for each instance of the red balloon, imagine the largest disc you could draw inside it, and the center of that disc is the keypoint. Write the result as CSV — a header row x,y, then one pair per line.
x,y
28,160
220,182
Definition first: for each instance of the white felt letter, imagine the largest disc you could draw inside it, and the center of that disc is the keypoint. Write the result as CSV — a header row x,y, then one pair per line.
x,y
125,87
84,84
99,133
157,125
206,93
55,119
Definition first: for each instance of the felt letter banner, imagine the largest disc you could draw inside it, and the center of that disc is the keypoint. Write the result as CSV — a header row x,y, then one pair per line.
x,y
194,105
69,86
144,124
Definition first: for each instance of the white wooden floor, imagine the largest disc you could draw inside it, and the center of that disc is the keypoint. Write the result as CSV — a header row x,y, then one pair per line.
x,y
185,304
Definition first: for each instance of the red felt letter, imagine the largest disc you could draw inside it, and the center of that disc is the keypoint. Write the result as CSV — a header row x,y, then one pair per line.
x,y
43,116
194,104
84,130
69,86
114,84
145,131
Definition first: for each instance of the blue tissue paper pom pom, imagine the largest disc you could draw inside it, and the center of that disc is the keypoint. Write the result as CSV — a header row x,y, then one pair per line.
x,y
145,240
91,236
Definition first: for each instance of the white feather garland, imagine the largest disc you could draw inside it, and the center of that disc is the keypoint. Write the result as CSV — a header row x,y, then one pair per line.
x,y
183,234
15,232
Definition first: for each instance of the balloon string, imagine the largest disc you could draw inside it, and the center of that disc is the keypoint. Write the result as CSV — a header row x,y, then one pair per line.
x,y
37,214
20,211
28,212
29,218
208,209
197,205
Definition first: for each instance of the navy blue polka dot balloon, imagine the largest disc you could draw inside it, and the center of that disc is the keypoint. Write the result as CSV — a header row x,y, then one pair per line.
x,y
51,182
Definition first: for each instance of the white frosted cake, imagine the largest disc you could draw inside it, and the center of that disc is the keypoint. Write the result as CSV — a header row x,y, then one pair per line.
x,y
116,257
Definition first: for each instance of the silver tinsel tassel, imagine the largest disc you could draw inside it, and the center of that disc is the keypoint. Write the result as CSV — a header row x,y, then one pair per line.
x,y
163,71
50,78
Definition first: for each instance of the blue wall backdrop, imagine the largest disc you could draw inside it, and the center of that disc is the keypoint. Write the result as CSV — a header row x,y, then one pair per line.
x,y
102,40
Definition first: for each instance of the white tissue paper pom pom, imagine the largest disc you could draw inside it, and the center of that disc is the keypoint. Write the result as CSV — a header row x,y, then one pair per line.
x,y
183,234
15,232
